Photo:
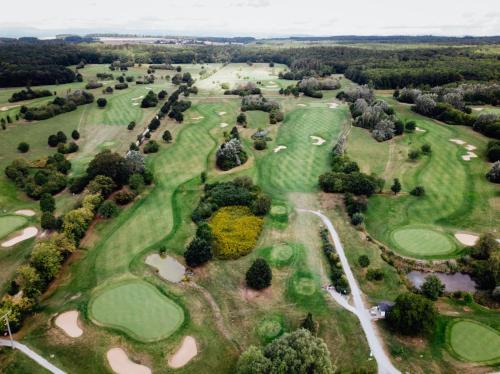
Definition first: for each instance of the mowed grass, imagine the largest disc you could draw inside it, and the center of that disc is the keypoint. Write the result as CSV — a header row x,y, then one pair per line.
x,y
138,309
297,168
422,241
474,341
9,224
458,196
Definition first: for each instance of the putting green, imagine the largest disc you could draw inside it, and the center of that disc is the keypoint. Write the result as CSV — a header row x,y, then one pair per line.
x,y
473,341
281,254
279,210
9,224
138,309
270,327
304,286
422,242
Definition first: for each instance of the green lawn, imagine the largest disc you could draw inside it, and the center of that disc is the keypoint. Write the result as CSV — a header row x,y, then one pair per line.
x,y
137,308
9,224
421,241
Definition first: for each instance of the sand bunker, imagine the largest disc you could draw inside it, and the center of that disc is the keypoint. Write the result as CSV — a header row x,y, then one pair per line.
x,y
468,156
134,104
137,98
333,105
223,124
301,105
68,322
28,233
317,140
419,129
25,212
458,141
470,147
168,268
121,364
466,239
5,108
184,354
221,113
279,148
197,118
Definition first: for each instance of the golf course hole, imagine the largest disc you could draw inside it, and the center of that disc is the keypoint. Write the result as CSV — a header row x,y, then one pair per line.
x,y
281,254
422,242
474,341
270,328
138,309
168,267
304,286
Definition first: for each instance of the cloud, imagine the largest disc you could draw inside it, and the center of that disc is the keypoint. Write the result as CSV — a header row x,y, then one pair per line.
x,y
253,4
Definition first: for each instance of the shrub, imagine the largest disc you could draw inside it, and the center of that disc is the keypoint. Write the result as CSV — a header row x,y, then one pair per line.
x,y
357,219
124,197
418,191
410,126
432,287
259,275
426,149
108,209
261,205
363,261
494,174
23,147
260,144
493,150
103,185
48,221
136,182
151,147
198,252
414,154
121,86
47,203
374,274
101,102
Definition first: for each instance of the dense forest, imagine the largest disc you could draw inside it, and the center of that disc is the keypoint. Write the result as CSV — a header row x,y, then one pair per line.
x,y
46,62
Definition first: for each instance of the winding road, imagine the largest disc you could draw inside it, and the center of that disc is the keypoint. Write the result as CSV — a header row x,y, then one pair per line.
x,y
33,355
385,365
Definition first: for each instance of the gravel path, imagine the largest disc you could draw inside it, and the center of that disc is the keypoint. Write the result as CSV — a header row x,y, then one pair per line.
x,y
376,345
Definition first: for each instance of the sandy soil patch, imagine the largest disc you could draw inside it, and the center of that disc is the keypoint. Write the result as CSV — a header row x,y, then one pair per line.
x,y
302,105
419,129
121,364
279,148
333,105
458,141
187,351
317,140
28,233
68,322
221,113
466,239
469,156
25,212
168,268
249,294
223,124
470,147
5,108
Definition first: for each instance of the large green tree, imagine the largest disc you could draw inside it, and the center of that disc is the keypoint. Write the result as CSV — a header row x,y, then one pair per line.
x,y
412,314
259,275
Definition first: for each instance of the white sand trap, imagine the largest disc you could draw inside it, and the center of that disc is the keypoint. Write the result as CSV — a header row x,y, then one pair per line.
x,y
25,212
317,140
470,147
333,105
148,88
28,233
184,354
168,268
137,98
419,129
279,148
197,118
458,141
134,104
301,105
121,364
466,239
221,113
68,322
469,156
5,108
478,109
223,124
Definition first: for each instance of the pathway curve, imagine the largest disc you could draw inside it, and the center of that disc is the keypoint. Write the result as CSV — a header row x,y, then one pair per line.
x,y
33,355
385,365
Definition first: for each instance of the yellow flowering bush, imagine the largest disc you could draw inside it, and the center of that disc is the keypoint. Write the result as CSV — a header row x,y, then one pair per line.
x,y
235,231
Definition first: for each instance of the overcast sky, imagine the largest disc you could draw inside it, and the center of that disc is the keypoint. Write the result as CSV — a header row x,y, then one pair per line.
x,y
260,18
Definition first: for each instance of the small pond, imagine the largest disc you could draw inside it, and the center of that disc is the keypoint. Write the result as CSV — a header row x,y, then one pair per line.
x,y
452,282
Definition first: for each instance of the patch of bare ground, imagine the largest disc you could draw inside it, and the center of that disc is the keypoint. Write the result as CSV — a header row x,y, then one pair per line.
x,y
264,296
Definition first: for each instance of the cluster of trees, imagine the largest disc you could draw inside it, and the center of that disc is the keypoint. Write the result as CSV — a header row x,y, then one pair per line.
x,y
290,90
28,94
173,107
355,206
493,150
105,76
312,87
59,140
91,85
337,275
494,174
230,154
484,264
259,102
49,179
450,105
57,106
246,89
412,314
346,177
150,100
185,78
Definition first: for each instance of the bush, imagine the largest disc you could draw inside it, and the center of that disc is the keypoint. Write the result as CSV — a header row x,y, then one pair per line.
x,y
261,205
410,126
374,274
108,209
121,86
357,219
151,147
432,287
75,135
124,197
136,182
426,149
363,261
103,185
493,150
198,252
260,144
414,154
418,191
494,174
259,275
48,221
23,147
47,203
101,102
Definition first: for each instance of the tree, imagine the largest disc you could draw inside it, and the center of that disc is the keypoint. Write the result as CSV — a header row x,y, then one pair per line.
x,y
309,324
151,147
260,144
29,281
52,140
198,252
410,126
167,136
259,275
396,186
75,134
261,205
485,247
357,218
412,314
61,137
494,174
131,125
241,119
296,352
108,209
136,182
414,154
23,147
47,203
101,102
418,191
432,288
48,221
363,261
102,184
426,149
150,100
375,274
111,165
135,161
46,259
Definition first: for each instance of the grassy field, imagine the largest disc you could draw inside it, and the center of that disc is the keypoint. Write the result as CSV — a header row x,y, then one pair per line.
x,y
445,209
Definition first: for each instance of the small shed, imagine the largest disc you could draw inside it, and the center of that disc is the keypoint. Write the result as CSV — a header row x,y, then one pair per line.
x,y
383,307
